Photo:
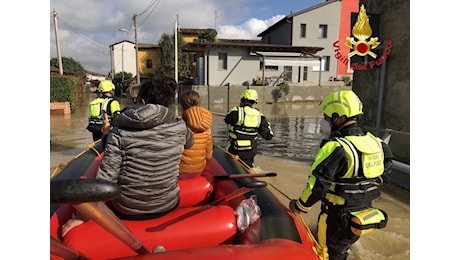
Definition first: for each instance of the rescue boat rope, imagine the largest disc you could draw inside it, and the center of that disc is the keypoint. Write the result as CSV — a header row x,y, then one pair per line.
x,y
320,251
90,146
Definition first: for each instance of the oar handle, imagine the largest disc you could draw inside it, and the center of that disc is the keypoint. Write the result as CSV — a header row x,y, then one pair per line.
x,y
247,175
241,191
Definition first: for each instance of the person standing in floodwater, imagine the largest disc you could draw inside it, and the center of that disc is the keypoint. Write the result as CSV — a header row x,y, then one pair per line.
x,y
99,108
246,124
347,175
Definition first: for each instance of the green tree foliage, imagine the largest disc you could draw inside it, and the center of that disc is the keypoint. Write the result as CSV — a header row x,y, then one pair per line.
x,y
70,67
119,76
281,88
166,43
206,36
167,62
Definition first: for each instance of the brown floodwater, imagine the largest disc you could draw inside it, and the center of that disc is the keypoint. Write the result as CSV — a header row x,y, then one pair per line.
x,y
290,154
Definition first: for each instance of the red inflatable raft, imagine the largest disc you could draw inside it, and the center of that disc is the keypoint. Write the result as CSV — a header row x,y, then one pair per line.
x,y
204,226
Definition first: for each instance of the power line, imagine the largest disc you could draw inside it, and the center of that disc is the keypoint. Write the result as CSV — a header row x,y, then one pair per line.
x,y
151,6
152,3
75,30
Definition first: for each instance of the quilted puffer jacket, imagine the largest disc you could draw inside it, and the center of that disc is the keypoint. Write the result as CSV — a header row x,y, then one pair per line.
x,y
142,155
199,121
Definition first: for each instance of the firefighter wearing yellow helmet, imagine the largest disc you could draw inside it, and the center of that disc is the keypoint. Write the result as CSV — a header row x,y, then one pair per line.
x,y
346,176
105,104
246,124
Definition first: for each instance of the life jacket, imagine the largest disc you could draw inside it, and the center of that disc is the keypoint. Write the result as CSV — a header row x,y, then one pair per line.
x,y
98,107
360,183
247,126
246,130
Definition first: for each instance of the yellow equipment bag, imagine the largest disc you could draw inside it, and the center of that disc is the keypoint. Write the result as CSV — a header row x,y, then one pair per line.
x,y
367,221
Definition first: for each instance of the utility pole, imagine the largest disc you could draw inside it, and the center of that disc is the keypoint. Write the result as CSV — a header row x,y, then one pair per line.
x,y
58,47
176,73
112,69
122,63
138,77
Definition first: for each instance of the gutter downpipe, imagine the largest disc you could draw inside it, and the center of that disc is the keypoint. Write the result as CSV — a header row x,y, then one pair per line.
x,y
380,98
320,66
207,50
263,71
320,69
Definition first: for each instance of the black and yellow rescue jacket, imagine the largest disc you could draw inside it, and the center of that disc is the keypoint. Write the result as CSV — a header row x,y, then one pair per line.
x,y
348,172
247,123
101,105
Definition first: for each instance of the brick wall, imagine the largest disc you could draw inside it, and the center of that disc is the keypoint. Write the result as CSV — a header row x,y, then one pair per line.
x,y
59,108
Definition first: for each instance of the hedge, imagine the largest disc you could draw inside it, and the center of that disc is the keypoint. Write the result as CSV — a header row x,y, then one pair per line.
x,y
66,88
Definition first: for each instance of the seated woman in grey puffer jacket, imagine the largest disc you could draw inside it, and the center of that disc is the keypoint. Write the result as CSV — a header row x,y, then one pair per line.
x,y
143,152
142,155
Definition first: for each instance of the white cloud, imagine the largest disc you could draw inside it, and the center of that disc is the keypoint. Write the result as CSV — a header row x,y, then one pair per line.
x,y
248,30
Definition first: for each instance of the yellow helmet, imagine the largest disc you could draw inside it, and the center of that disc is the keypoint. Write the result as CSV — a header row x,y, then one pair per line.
x,y
105,86
343,102
250,94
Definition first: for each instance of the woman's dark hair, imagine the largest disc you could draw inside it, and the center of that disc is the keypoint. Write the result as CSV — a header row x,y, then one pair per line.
x,y
159,90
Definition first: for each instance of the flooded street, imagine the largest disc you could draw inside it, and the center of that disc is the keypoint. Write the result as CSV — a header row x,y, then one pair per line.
x,y
290,154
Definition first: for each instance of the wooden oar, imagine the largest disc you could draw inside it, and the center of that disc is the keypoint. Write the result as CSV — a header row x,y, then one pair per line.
x,y
247,175
58,248
88,196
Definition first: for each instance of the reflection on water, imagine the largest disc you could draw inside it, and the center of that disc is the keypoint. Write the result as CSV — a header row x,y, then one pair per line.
x,y
295,137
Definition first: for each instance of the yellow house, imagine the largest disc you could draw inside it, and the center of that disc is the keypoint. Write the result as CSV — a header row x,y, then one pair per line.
x,y
149,58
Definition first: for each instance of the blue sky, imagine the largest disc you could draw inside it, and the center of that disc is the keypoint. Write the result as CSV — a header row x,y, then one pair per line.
x,y
87,27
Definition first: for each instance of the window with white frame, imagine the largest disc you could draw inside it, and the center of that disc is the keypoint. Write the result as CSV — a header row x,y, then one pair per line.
x,y
303,30
222,60
288,73
322,31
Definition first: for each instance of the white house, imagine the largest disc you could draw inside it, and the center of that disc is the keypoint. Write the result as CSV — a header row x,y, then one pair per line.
x,y
123,57
90,75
